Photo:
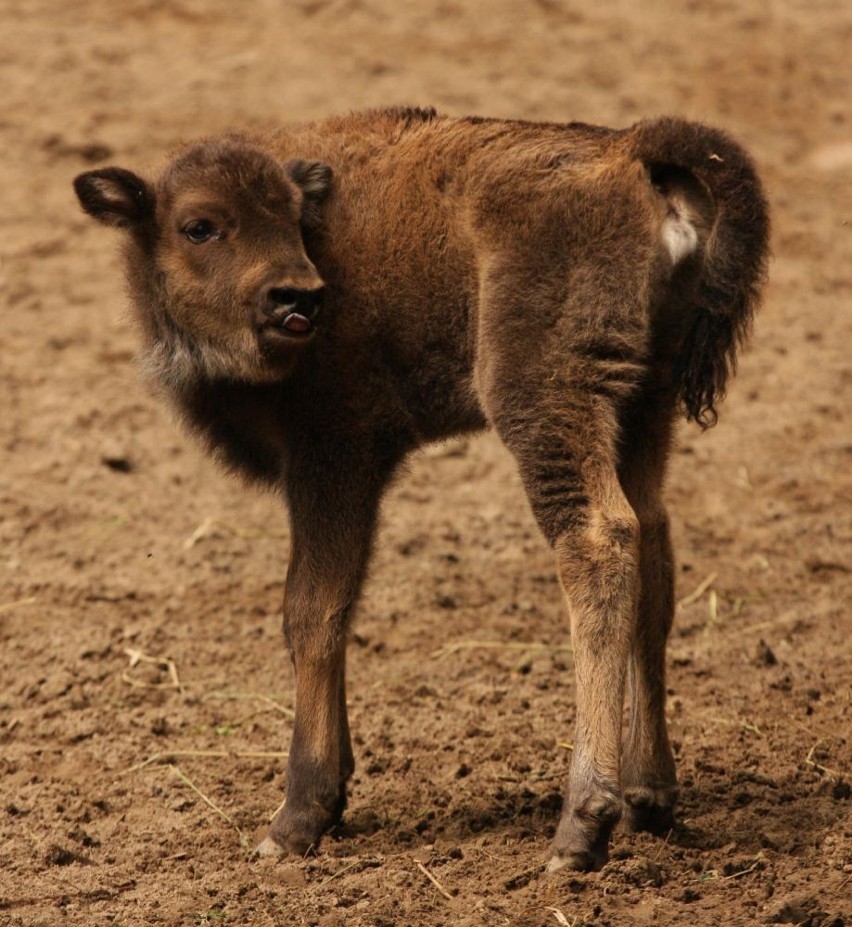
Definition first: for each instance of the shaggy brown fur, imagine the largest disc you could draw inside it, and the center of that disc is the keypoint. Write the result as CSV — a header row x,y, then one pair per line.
x,y
569,285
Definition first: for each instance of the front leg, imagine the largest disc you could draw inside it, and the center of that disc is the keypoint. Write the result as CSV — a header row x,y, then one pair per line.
x,y
320,760
333,508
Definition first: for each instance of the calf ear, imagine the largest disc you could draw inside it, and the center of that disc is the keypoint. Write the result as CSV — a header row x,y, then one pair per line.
x,y
114,196
314,180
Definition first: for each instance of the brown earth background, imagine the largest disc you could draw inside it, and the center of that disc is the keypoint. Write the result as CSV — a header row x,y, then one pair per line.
x,y
145,698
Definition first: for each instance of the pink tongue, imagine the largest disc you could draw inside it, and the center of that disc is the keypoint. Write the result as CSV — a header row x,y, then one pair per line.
x,y
297,323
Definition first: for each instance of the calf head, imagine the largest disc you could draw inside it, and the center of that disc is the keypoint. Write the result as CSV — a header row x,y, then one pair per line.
x,y
216,264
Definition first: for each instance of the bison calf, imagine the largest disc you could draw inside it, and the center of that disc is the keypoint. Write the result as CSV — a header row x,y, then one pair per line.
x,y
321,301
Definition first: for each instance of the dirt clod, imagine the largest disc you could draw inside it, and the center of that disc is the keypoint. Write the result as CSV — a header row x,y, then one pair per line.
x,y
765,654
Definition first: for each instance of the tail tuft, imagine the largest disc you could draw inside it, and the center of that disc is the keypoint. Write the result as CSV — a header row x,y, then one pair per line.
x,y
706,361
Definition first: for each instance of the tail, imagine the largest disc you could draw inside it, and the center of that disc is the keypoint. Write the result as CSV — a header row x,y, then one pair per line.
x,y
733,267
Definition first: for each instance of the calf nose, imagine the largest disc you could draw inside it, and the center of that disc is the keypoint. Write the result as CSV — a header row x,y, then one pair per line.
x,y
281,301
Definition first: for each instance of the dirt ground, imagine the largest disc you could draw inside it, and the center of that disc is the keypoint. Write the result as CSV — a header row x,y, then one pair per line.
x,y
146,701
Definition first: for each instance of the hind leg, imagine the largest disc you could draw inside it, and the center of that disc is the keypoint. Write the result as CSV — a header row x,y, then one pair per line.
x,y
648,778
579,504
597,565
562,341
562,428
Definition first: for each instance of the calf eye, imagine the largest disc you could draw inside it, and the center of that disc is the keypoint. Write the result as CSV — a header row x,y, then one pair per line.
x,y
200,230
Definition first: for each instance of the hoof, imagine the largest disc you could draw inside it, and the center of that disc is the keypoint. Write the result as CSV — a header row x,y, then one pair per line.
x,y
298,829
268,849
577,860
582,838
649,809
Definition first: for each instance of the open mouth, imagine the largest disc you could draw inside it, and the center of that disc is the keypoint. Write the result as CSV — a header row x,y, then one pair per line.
x,y
290,314
291,325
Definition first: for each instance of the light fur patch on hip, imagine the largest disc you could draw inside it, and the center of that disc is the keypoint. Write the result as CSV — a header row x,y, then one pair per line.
x,y
678,232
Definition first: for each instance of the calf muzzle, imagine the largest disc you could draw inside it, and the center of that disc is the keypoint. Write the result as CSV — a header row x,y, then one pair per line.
x,y
290,312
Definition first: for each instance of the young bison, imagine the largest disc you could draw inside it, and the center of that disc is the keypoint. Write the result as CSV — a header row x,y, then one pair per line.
x,y
321,301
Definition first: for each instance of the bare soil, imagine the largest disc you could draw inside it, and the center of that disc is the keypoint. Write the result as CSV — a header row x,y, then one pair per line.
x,y
133,790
